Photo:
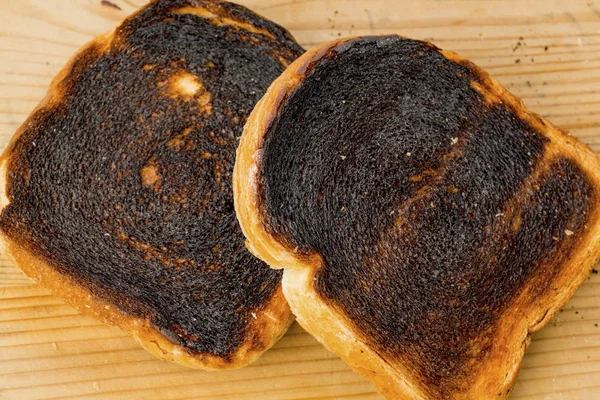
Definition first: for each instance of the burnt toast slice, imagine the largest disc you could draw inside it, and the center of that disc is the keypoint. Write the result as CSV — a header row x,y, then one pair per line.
x,y
426,221
118,186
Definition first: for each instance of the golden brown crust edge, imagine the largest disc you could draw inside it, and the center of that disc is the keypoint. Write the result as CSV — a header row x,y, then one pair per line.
x,y
149,338
270,324
499,371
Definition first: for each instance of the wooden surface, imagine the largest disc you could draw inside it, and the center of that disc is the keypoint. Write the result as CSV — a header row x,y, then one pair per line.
x,y
547,52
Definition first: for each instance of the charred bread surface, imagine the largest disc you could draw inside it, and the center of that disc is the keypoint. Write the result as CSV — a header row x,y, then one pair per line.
x,y
118,186
426,221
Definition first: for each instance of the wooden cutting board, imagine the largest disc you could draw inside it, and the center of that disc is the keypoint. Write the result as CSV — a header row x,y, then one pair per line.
x,y
545,51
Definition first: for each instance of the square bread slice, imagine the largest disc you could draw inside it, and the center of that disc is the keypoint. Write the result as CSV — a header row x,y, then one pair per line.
x,y
118,186
426,221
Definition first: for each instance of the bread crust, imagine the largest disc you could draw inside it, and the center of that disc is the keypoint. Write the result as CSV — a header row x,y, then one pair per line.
x,y
270,321
499,371
270,324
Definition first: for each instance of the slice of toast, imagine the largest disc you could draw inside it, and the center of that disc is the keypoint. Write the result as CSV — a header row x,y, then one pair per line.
x,y
118,186
426,221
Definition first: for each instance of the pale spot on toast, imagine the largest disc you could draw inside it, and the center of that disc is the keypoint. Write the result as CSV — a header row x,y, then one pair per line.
x,y
149,175
188,87
219,20
204,103
185,85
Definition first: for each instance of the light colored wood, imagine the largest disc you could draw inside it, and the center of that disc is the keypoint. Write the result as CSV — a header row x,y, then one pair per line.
x,y
48,350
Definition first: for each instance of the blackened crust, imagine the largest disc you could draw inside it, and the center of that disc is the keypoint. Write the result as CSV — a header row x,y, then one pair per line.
x,y
431,205
124,185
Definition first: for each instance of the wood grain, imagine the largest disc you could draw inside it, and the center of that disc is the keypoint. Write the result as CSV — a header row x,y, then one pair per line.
x,y
545,51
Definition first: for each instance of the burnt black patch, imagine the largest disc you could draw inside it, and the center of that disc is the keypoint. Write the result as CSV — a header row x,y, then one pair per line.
x,y
126,184
427,205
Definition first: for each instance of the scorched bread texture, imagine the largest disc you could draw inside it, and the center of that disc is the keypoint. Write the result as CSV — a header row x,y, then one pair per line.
x,y
426,221
119,184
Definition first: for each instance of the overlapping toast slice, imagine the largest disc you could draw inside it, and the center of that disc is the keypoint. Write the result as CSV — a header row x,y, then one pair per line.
x,y
426,221
118,186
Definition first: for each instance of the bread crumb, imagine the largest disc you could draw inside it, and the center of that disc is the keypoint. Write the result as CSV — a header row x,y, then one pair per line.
x,y
568,232
408,154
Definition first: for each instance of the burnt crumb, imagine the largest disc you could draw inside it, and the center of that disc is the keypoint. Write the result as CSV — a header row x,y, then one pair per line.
x,y
576,312
336,12
532,59
519,44
528,83
110,4
594,271
546,48
596,325
518,60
